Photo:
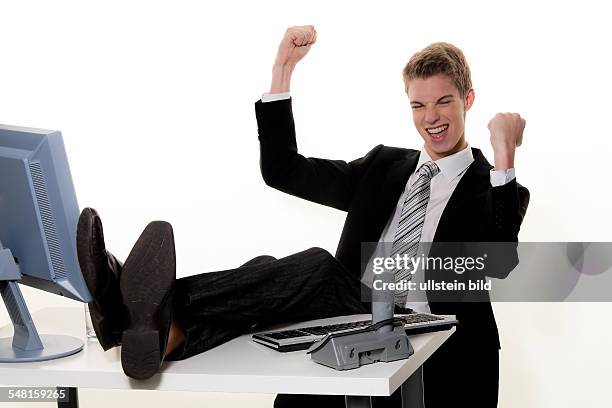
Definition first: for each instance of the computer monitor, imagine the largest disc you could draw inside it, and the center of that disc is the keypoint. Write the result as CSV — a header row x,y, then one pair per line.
x,y
38,220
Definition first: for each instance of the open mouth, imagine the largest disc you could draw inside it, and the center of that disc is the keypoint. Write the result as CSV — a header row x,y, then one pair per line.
x,y
437,133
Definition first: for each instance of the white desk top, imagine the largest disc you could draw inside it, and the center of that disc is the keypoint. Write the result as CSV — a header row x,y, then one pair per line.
x,y
237,366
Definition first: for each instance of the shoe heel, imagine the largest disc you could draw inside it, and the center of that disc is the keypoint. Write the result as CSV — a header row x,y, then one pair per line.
x,y
140,354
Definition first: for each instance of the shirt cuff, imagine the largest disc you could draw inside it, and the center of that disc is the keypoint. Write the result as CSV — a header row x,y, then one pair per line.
x,y
501,177
271,97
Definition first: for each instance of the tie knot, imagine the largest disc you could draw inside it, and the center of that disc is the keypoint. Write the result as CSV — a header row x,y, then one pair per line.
x,y
429,169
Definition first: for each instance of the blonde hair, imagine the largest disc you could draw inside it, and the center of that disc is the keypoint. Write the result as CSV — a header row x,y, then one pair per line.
x,y
440,58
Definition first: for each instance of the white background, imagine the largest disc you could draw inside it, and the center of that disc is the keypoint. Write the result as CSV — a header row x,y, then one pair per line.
x,y
155,101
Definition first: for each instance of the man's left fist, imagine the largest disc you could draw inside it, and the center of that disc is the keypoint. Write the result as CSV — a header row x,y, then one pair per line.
x,y
506,134
506,131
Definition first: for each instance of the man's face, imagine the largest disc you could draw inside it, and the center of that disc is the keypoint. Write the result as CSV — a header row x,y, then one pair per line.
x,y
438,112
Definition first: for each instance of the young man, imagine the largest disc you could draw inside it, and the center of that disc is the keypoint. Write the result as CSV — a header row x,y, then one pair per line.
x,y
447,192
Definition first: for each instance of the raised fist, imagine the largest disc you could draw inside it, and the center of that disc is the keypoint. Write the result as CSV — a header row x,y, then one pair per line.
x,y
506,134
506,130
295,44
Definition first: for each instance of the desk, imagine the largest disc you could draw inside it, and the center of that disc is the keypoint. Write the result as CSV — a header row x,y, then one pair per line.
x,y
237,366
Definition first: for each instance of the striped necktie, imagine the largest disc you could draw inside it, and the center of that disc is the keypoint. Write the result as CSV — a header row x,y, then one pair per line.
x,y
408,233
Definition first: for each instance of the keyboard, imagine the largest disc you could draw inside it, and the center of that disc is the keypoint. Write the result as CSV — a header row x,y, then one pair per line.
x,y
303,338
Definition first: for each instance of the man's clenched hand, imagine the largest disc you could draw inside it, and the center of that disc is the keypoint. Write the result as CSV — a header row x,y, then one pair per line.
x,y
506,135
294,46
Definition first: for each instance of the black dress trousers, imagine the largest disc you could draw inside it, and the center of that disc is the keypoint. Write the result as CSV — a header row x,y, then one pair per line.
x,y
213,308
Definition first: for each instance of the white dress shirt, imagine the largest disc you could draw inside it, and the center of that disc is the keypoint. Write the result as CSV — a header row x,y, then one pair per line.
x,y
452,168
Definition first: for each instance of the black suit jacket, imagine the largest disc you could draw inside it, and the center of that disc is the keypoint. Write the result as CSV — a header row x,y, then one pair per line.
x,y
368,190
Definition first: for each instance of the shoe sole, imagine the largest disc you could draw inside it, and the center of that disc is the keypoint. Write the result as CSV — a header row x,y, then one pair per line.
x,y
146,283
103,325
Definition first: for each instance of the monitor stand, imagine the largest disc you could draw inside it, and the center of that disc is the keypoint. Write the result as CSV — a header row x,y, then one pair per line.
x,y
26,344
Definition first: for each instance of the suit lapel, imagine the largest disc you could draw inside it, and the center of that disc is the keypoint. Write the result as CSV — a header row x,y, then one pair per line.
x,y
391,191
475,180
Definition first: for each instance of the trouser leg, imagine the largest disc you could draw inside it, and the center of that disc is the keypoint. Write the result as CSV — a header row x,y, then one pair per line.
x,y
215,307
462,374
259,260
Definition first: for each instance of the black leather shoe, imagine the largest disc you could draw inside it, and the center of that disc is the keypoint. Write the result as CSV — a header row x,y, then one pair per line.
x,y
147,285
101,271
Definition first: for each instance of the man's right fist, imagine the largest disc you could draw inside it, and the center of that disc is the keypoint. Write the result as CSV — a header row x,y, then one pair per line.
x,y
295,45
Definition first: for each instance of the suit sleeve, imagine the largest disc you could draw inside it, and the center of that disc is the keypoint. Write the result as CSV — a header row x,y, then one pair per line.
x,y
328,182
508,205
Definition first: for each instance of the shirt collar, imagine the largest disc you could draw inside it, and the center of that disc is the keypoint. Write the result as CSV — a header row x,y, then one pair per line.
x,y
450,166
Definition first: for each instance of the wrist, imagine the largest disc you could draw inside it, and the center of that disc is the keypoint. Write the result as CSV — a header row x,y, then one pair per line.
x,y
283,66
504,159
281,77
